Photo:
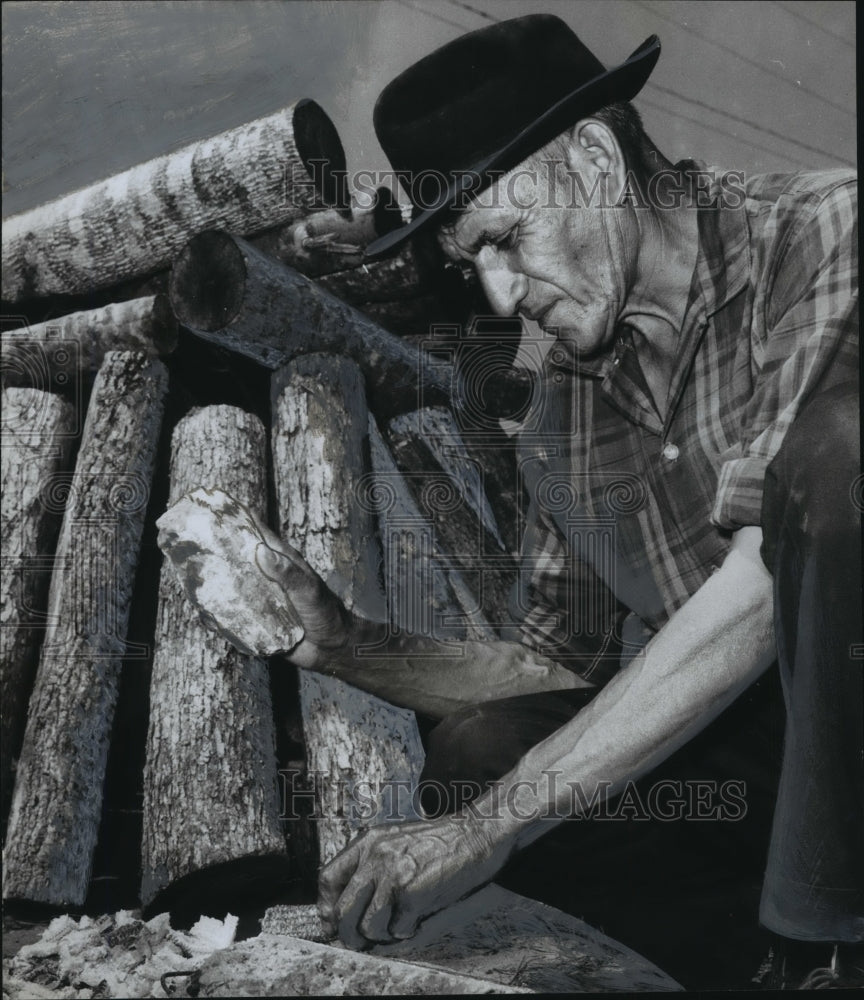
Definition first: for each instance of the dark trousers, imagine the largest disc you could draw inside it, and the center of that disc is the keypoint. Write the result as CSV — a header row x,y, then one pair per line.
x,y
685,891
814,881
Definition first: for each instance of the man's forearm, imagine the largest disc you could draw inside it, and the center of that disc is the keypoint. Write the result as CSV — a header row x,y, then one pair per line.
x,y
436,678
712,649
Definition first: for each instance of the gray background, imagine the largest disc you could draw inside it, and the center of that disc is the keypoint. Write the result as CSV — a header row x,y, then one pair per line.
x,y
92,88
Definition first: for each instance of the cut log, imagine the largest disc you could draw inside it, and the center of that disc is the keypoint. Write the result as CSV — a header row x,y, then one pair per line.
x,y
246,179
448,485
359,748
38,435
211,798
56,805
37,354
226,291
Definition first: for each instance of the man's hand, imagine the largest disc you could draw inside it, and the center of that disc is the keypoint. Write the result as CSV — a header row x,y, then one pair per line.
x,y
326,621
391,877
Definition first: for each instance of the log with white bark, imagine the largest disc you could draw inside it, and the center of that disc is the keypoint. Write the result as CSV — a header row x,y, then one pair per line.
x,y
38,434
358,746
59,348
211,802
57,802
245,179
228,292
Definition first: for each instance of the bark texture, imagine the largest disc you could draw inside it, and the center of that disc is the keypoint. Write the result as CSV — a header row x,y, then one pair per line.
x,y
225,290
211,801
38,435
245,179
357,745
56,806
448,485
426,594
59,348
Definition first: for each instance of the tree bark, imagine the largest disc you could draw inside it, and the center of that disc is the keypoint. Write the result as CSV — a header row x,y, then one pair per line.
x,y
226,291
38,435
211,803
357,745
257,175
426,595
38,354
56,805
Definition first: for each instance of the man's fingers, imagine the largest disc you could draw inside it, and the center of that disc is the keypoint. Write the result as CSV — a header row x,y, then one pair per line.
x,y
375,923
331,883
350,910
404,920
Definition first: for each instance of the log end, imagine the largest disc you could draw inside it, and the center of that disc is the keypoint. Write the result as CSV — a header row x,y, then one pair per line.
x,y
321,152
208,281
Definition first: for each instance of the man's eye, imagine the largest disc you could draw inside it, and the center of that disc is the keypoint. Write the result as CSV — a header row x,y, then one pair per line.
x,y
508,240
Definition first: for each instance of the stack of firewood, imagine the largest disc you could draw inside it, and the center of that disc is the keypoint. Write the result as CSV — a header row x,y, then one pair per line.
x,y
277,366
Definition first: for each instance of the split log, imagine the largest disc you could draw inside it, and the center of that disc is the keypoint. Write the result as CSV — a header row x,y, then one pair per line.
x,y
211,797
226,291
270,965
257,175
56,805
358,746
38,434
448,485
42,353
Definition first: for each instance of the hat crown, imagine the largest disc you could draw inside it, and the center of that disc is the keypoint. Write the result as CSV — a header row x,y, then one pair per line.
x,y
484,102
469,98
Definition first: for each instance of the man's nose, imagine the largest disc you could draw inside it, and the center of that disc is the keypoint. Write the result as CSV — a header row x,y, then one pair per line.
x,y
504,288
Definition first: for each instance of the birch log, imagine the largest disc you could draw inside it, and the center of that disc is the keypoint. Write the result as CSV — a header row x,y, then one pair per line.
x,y
42,353
358,746
38,434
211,803
56,805
226,291
246,179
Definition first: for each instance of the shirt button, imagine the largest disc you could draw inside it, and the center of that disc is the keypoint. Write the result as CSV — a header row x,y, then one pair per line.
x,y
671,452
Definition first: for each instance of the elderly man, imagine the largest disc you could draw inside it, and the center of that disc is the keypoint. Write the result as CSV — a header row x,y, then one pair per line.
x,y
705,357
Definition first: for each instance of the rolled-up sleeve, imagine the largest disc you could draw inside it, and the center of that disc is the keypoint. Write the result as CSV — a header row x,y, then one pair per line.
x,y
807,342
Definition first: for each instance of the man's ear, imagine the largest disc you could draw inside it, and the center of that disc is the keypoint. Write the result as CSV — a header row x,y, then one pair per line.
x,y
593,145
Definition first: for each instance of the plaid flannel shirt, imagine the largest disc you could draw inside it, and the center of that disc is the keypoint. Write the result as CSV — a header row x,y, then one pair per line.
x,y
630,513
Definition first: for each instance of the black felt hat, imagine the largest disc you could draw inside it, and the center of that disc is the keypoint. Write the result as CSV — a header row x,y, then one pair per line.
x,y
486,101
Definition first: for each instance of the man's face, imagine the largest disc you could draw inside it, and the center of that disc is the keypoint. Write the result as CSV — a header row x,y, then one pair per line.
x,y
540,252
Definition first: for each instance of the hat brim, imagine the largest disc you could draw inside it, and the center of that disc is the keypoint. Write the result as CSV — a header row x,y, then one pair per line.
x,y
622,83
